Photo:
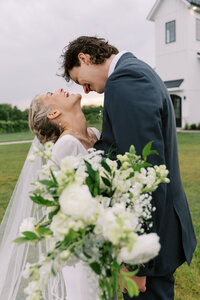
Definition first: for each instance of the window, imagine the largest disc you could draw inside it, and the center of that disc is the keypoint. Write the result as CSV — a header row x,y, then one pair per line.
x,y
198,29
170,32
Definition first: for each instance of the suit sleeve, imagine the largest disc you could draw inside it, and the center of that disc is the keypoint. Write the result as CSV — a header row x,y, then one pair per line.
x,y
134,106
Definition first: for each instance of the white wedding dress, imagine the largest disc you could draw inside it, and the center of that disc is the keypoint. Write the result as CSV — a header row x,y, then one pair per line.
x,y
79,280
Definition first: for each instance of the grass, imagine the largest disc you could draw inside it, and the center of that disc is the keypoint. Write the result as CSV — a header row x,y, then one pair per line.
x,y
187,285
19,136
12,158
188,279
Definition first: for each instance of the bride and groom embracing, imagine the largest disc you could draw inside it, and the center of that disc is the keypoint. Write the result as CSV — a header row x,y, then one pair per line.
x,y
137,109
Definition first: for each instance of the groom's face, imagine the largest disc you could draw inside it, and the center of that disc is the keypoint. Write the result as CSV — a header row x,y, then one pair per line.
x,y
90,76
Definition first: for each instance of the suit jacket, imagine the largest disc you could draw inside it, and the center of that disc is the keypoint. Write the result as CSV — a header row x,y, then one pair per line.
x,y
138,109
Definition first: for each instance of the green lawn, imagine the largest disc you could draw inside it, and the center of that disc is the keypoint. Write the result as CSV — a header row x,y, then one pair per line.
x,y
19,136
187,279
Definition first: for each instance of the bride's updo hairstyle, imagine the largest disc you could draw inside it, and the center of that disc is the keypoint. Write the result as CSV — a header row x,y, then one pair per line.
x,y
45,129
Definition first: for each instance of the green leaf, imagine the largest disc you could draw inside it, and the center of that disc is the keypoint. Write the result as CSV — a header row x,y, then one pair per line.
x,y
53,213
21,240
148,151
130,274
53,271
44,231
30,235
106,166
106,181
131,287
41,201
89,183
86,254
90,171
71,236
48,183
96,267
53,177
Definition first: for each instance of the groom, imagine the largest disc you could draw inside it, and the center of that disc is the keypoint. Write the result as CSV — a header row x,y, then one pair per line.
x,y
138,109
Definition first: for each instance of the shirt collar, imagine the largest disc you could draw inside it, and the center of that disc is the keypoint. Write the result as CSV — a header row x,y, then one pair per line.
x,y
114,62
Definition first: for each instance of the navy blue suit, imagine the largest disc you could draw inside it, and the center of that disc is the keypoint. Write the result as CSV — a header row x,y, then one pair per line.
x,y
138,109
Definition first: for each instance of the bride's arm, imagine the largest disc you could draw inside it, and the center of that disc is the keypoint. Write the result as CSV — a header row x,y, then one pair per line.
x,y
96,132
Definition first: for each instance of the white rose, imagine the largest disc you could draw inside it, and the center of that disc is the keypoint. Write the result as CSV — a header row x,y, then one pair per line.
x,y
145,248
28,224
77,202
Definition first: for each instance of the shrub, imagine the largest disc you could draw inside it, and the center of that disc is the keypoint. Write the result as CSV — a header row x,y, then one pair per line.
x,y
193,126
186,126
13,126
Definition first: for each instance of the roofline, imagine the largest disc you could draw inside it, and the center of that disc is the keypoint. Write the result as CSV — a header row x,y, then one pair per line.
x,y
150,16
153,10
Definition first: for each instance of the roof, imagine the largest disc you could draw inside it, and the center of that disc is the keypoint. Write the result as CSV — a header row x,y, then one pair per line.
x,y
173,83
155,8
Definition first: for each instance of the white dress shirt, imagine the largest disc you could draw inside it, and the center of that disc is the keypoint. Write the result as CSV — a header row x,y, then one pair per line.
x,y
114,62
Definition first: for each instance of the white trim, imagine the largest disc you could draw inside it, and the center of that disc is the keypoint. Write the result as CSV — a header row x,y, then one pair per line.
x,y
153,11
176,89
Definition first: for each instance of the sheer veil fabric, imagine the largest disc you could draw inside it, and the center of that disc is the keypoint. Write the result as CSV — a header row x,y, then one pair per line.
x,y
13,257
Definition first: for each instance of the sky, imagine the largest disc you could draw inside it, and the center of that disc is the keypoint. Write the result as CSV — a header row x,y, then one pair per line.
x,y
33,34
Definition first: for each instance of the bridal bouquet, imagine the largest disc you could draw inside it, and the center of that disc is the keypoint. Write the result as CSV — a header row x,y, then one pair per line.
x,y
96,211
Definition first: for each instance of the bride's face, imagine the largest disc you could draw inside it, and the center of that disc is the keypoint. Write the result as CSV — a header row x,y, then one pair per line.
x,y
61,100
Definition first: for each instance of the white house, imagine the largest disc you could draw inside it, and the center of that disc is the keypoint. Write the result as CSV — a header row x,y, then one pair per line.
x,y
177,35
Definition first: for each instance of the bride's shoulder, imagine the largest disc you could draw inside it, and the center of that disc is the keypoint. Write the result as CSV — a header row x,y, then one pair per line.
x,y
66,139
67,145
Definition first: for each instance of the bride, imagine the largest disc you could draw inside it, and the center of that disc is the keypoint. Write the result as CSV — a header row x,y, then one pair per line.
x,y
55,117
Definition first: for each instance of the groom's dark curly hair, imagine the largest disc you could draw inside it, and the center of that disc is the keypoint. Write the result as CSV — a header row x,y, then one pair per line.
x,y
98,49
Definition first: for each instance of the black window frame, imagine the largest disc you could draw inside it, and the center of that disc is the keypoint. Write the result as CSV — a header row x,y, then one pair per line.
x,y
174,35
198,29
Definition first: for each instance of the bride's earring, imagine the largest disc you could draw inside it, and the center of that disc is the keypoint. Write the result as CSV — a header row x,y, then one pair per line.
x,y
59,124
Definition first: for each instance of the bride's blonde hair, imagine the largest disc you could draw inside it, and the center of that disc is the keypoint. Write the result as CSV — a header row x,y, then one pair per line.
x,y
46,130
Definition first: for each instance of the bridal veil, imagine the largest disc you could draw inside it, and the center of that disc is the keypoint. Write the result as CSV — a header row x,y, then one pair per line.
x,y
13,257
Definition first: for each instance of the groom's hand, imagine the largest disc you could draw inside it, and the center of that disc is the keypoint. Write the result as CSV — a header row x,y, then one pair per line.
x,y
140,281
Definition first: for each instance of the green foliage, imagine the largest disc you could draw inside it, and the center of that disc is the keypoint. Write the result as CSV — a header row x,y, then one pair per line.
x,y
148,151
12,113
193,126
13,126
12,119
92,113
186,126
41,201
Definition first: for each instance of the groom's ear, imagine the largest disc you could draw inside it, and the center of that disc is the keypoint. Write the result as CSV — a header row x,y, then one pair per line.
x,y
84,58
53,114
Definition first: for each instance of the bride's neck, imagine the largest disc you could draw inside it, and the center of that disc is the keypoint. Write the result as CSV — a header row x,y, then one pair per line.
x,y
76,126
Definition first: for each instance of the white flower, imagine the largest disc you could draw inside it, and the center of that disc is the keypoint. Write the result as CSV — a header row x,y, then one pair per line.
x,y
77,202
65,254
31,158
28,224
33,287
60,225
116,224
144,249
